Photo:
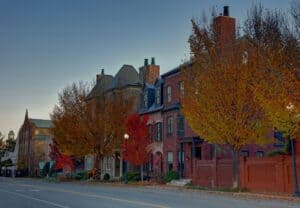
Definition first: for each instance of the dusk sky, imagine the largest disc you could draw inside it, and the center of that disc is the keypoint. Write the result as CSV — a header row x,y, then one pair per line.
x,y
46,45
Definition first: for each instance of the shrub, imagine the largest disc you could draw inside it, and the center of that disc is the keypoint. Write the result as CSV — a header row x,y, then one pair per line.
x,y
171,175
276,152
81,175
132,176
106,177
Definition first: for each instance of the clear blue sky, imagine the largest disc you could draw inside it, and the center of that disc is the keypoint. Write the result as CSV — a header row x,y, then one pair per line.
x,y
47,44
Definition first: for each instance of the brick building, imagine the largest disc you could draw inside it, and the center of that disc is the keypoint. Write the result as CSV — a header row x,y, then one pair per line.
x,y
181,148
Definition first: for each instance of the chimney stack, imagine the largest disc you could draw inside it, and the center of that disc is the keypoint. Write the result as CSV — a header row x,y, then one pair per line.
x,y
226,11
152,61
149,73
224,28
99,76
146,62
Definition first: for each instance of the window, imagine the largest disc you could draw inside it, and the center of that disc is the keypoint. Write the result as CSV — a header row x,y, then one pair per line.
x,y
170,160
146,99
259,153
245,153
169,94
170,125
158,131
181,88
108,163
180,161
180,125
157,96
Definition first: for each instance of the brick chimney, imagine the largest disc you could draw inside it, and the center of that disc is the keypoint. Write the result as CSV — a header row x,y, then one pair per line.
x,y
149,72
224,27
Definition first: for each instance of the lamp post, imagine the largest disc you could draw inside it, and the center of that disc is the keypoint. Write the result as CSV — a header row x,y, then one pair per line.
x,y
290,108
126,137
296,186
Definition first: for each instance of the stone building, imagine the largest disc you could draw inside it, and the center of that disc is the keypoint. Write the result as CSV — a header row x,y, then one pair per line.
x,y
34,139
127,83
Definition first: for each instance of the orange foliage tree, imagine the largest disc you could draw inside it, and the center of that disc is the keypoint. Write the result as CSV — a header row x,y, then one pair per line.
x,y
135,147
83,127
277,86
218,102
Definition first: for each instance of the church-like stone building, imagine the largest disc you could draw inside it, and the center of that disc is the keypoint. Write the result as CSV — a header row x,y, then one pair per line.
x,y
34,139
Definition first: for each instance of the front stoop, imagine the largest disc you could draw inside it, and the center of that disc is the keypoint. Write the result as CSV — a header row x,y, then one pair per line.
x,y
180,182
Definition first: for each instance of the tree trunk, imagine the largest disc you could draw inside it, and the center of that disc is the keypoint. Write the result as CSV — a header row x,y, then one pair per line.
x,y
96,161
142,173
235,165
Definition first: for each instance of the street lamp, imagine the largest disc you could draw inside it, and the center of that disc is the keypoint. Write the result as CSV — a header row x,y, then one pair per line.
x,y
296,187
126,137
291,107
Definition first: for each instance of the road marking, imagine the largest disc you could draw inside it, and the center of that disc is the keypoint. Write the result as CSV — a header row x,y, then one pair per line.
x,y
34,190
96,196
36,199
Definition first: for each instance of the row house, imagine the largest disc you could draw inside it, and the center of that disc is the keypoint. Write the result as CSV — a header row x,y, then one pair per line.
x,y
174,145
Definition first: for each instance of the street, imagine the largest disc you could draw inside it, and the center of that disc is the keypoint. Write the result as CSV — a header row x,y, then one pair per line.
x,y
33,193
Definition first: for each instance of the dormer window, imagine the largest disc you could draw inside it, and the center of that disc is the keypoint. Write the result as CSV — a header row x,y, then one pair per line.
x,y
157,96
169,94
146,99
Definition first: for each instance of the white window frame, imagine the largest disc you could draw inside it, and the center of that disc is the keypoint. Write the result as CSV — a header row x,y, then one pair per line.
x,y
169,93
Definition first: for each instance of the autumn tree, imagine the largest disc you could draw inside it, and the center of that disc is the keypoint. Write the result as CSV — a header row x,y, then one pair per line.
x,y
135,147
277,85
295,11
83,127
218,102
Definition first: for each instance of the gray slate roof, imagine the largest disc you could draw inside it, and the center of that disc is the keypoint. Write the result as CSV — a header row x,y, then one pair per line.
x,y
41,123
102,85
127,75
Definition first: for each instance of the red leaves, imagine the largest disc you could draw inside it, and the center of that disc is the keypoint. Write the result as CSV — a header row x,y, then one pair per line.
x,y
62,161
135,147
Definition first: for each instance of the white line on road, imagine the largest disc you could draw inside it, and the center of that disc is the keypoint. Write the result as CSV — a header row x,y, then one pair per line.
x,y
36,199
140,203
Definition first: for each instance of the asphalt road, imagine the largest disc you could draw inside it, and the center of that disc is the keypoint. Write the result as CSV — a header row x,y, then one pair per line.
x,y
33,193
